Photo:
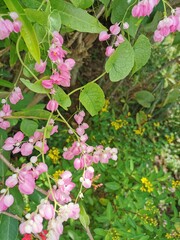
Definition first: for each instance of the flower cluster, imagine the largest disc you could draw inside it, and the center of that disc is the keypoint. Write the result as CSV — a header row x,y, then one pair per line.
x,y
87,155
25,148
5,112
61,75
61,191
147,185
114,30
7,26
16,96
167,25
144,8
25,178
119,123
34,222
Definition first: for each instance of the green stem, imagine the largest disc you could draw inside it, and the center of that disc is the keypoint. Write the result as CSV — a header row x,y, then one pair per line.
x,y
19,56
41,5
80,88
165,11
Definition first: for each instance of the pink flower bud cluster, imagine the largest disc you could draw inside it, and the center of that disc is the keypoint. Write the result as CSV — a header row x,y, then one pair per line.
x,y
34,224
26,177
87,177
167,25
114,30
52,105
16,95
5,202
55,225
61,191
87,155
144,8
61,75
25,148
5,112
7,26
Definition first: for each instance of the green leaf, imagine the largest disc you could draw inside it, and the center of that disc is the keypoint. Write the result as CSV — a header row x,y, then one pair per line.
x,y
40,17
77,18
62,98
8,227
134,24
36,197
100,232
84,218
27,30
55,21
105,2
172,96
112,186
5,83
120,62
32,114
28,127
144,98
35,87
92,98
141,118
18,205
142,50
119,8
109,211
82,3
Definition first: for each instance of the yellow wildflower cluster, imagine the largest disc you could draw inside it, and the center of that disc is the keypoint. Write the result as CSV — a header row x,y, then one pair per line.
x,y
119,124
115,235
57,174
147,185
152,208
170,138
173,235
106,106
54,155
149,220
175,183
139,131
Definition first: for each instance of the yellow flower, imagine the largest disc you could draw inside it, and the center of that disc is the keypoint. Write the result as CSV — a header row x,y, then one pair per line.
x,y
54,155
117,124
106,106
139,131
175,184
57,174
147,185
156,124
170,138
129,114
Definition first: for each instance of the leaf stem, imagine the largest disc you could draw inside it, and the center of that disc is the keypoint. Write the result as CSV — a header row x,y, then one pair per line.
x,y
80,88
19,56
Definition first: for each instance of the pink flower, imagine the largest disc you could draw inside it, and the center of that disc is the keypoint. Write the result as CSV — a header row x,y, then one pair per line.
x,y
16,95
41,168
144,8
52,105
26,149
57,39
47,84
115,29
125,25
119,40
109,51
11,181
46,210
103,36
5,202
4,31
26,182
17,26
40,67
70,63
10,142
13,15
